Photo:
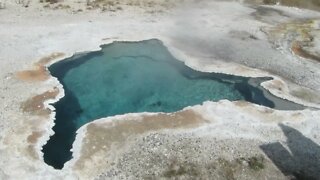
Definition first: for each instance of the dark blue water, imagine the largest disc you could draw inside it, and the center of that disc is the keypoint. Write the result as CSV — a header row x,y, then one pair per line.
x,y
133,77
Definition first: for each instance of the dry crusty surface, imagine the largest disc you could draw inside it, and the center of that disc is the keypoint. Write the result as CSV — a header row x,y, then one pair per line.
x,y
39,73
119,131
128,147
35,105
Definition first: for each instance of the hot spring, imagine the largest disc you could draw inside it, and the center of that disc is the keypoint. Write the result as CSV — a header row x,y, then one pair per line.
x,y
132,77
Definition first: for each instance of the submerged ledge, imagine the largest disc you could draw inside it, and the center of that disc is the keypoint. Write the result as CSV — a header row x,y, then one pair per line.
x,y
223,78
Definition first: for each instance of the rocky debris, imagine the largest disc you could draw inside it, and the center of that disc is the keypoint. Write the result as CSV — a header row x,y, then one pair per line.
x,y
188,156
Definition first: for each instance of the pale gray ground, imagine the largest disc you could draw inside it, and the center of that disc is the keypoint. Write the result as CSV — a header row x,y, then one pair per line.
x,y
188,156
244,47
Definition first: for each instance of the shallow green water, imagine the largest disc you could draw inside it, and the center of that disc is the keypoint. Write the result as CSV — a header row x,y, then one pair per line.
x,y
132,77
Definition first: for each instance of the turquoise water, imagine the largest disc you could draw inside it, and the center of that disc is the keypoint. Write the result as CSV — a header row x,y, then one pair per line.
x,y
132,77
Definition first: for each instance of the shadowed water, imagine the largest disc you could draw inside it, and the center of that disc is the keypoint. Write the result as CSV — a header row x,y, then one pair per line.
x,y
136,77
